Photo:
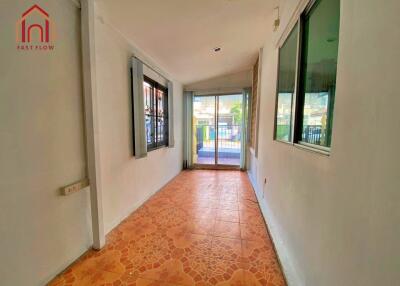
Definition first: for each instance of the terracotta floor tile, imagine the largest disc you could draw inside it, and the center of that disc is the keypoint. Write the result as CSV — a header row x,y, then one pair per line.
x,y
228,205
253,278
225,272
185,271
213,196
251,216
147,282
229,198
186,234
189,243
274,275
133,230
249,195
200,226
206,203
196,212
253,232
226,248
263,272
169,218
227,229
228,215
257,249
248,204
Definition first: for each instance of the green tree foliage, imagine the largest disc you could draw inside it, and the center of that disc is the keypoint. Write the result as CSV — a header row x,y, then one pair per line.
x,y
236,110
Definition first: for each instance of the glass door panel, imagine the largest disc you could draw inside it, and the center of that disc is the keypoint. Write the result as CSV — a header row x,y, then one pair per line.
x,y
204,132
229,118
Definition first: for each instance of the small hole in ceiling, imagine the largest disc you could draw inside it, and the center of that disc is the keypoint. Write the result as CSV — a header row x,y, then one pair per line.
x,y
217,49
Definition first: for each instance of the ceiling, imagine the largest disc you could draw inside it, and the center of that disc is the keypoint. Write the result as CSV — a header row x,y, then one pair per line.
x,y
180,35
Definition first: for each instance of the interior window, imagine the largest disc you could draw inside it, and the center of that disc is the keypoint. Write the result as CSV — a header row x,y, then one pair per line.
x,y
286,87
307,77
318,72
156,114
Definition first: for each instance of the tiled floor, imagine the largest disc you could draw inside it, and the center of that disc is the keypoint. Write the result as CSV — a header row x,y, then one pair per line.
x,y
203,228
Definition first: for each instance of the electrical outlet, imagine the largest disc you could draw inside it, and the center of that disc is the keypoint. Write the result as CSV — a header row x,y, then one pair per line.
x,y
75,187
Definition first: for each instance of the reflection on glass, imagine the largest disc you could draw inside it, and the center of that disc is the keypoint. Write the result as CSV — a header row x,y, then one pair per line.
x,y
204,130
230,115
149,112
156,115
320,50
160,116
286,86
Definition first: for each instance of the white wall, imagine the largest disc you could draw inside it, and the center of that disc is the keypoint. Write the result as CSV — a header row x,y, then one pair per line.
x,y
127,182
225,83
41,149
335,220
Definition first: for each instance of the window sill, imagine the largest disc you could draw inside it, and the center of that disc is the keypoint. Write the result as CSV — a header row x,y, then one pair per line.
x,y
312,149
156,148
307,147
284,142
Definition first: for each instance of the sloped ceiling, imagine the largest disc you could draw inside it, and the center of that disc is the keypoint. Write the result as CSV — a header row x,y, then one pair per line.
x,y
180,35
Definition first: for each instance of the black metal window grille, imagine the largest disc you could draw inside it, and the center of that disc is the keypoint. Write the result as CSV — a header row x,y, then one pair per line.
x,y
156,113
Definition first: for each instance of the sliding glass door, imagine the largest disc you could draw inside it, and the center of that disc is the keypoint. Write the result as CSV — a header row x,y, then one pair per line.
x,y
217,129
204,131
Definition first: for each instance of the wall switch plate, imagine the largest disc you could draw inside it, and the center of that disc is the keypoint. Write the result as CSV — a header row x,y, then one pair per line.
x,y
75,187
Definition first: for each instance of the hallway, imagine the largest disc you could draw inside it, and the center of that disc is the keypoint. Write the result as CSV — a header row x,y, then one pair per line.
x,y
202,228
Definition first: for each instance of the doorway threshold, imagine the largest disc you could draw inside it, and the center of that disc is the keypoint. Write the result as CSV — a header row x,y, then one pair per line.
x,y
215,167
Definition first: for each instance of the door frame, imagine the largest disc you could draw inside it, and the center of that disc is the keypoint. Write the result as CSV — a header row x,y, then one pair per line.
x,y
215,166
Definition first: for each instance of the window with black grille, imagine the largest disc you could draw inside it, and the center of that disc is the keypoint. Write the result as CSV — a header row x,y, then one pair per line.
x,y
156,113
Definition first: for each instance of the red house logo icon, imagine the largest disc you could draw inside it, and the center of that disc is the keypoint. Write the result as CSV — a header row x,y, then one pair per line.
x,y
35,27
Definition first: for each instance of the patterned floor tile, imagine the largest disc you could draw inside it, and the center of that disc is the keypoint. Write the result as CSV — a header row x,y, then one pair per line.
x,y
251,217
190,244
225,272
228,215
204,228
253,232
226,248
147,282
200,226
184,271
196,212
228,205
257,249
227,229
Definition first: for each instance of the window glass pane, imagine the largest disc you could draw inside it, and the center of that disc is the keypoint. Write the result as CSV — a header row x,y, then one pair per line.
x,y
160,102
149,129
156,114
161,130
319,58
149,112
204,131
286,86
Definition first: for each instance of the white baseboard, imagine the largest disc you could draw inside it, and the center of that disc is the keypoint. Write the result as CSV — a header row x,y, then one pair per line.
x,y
291,276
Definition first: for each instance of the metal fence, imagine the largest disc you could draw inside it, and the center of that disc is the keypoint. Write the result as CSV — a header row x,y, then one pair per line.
x,y
312,134
229,137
